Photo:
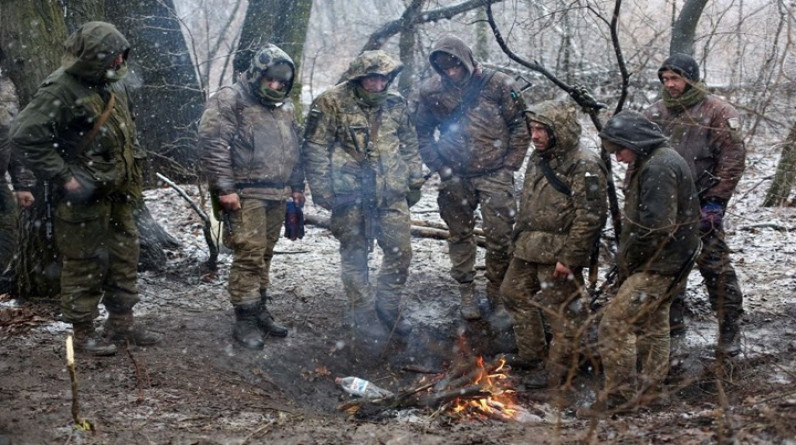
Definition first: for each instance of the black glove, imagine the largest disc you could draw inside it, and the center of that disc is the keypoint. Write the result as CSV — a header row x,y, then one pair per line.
x,y
413,197
294,221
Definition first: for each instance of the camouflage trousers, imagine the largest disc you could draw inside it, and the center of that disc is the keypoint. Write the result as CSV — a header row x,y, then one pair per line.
x,y
392,233
458,200
98,245
532,296
8,226
255,230
635,328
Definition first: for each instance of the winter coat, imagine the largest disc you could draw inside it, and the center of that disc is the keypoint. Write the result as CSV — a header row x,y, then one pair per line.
x,y
707,135
490,135
552,226
249,148
342,148
48,136
661,210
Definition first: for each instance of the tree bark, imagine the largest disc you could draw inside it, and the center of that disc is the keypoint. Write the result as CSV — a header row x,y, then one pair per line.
x,y
785,176
684,27
164,87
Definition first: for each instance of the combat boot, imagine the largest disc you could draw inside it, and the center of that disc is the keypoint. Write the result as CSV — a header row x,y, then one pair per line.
x,y
88,340
393,321
729,344
469,307
122,327
247,329
677,316
265,321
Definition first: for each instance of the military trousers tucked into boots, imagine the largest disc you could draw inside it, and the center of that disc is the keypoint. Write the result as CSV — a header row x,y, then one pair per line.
x,y
531,295
254,233
392,232
98,243
458,200
635,327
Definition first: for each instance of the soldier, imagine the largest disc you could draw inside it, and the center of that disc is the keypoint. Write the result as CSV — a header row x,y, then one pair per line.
x,y
657,248
562,210
362,163
482,141
705,130
22,194
250,143
78,134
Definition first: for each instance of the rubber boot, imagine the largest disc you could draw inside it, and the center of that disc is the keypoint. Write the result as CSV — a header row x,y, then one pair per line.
x,y
393,321
88,340
729,337
247,329
122,327
469,307
266,322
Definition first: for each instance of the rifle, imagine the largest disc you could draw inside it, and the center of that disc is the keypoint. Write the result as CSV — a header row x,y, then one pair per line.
x,y
48,211
368,179
610,279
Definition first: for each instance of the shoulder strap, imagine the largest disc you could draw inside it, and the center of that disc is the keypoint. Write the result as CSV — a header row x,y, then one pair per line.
x,y
554,180
468,100
99,123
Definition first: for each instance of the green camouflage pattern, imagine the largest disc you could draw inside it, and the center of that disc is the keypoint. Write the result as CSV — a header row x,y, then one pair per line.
x,y
263,59
373,62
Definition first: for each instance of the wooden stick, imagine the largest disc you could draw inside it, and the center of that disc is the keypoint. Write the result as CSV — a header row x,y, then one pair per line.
x,y
70,365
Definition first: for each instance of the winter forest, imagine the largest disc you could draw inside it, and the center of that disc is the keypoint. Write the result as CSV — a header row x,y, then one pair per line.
x,y
445,381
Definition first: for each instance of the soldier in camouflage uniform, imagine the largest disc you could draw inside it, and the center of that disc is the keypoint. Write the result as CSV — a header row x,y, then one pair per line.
x,y
362,163
249,139
22,195
96,175
657,248
482,141
706,131
562,210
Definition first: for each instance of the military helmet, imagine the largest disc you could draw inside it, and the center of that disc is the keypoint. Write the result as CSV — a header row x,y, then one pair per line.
x,y
373,62
267,57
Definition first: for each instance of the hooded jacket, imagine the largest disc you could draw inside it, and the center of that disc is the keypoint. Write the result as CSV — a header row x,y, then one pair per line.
x,y
491,134
345,137
48,135
250,148
552,226
707,135
661,210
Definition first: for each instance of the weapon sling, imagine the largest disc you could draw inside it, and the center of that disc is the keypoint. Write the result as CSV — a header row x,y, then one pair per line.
x,y
467,102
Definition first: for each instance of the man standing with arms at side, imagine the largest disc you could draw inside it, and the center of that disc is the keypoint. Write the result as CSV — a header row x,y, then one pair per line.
x,y
482,141
249,139
78,133
562,211
705,131
656,251
362,163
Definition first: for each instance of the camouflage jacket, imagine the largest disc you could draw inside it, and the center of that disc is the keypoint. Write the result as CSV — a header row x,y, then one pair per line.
x,y
48,134
552,226
341,147
249,148
708,137
491,134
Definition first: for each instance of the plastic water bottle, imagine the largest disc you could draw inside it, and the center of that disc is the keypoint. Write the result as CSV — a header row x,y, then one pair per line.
x,y
361,388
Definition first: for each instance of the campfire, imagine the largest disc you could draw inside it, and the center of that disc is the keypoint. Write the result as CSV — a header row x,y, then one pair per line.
x,y
471,389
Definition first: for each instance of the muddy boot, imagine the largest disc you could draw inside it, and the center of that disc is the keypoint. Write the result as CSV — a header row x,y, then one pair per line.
x,y
122,328
393,321
90,341
516,361
537,380
247,330
677,316
266,321
469,307
729,337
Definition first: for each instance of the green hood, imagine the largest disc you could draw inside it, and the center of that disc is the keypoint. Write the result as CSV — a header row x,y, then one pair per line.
x,y
91,48
373,62
562,119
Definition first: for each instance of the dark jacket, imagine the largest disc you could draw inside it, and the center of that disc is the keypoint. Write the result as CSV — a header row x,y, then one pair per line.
x,y
661,210
707,135
491,134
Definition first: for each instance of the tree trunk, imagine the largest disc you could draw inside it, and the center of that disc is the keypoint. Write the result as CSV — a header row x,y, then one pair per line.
x,y
684,27
275,21
165,90
780,189
79,12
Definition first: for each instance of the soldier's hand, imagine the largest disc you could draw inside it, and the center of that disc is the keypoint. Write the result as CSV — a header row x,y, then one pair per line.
x,y
73,186
298,198
230,203
25,199
562,272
